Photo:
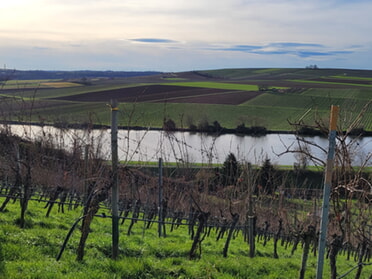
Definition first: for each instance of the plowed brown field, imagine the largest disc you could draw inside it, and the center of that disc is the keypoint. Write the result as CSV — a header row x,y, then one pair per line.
x,y
169,93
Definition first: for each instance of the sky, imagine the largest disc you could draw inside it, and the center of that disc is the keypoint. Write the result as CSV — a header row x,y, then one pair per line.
x,y
184,35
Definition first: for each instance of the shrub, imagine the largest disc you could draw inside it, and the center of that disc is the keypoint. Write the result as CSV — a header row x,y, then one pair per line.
x,y
254,130
169,125
308,131
357,132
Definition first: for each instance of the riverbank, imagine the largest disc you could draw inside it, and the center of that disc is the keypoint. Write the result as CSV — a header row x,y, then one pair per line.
x,y
256,131
189,147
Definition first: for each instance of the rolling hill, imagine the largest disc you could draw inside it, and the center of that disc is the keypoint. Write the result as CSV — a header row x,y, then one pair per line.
x,y
254,97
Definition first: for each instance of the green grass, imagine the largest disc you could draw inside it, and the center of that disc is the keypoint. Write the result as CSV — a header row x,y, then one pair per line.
x,y
330,82
351,77
23,84
357,94
265,71
174,78
319,101
31,252
239,74
48,92
38,84
60,84
152,115
269,110
284,73
310,100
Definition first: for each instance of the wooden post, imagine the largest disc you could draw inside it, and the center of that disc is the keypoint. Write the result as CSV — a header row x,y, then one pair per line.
x,y
327,191
160,197
115,190
86,159
251,217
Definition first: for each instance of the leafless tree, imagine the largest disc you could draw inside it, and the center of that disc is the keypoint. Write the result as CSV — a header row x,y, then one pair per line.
x,y
351,192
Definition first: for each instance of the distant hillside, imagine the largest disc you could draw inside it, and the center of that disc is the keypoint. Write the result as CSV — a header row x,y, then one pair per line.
x,y
229,98
247,74
36,74
282,73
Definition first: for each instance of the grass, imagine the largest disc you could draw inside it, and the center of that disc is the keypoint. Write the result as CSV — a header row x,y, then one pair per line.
x,y
31,252
330,82
228,116
293,106
358,94
264,71
244,73
60,84
35,84
24,84
352,78
62,91
174,78
269,110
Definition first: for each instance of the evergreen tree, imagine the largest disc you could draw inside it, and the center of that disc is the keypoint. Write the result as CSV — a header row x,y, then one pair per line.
x,y
230,170
266,178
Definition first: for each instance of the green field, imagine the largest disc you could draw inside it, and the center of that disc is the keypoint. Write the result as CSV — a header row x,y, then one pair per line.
x,y
31,252
36,84
334,83
272,109
241,74
354,78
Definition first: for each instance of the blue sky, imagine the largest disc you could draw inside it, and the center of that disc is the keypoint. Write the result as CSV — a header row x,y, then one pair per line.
x,y
183,35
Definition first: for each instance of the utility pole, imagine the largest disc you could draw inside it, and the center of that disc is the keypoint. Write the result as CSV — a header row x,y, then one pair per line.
x,y
115,190
327,190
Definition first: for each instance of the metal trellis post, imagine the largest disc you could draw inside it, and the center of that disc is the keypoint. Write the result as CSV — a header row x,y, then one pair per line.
x,y
160,198
327,190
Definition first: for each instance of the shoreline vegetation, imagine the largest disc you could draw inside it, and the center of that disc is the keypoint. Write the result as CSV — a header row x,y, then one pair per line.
x,y
255,131
150,164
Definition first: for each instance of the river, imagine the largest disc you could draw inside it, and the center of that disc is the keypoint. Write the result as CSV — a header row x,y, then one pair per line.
x,y
188,147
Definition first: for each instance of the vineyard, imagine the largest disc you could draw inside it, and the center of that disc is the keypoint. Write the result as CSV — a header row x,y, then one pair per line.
x,y
32,252
244,214
233,220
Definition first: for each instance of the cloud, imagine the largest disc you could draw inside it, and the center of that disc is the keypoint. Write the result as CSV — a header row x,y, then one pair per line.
x,y
153,40
303,50
245,48
185,34
291,44
305,54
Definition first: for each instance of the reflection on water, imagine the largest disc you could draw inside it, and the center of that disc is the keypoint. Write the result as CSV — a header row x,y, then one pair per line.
x,y
188,147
